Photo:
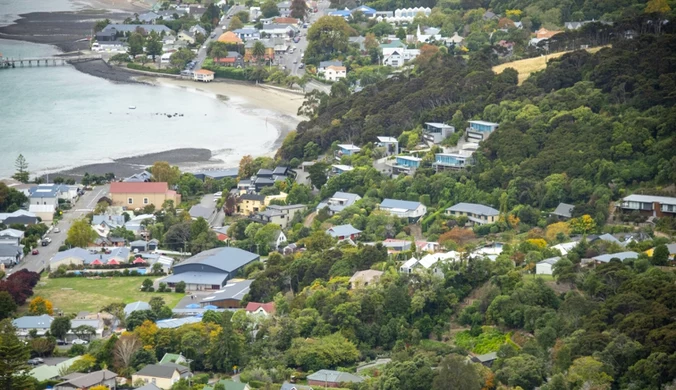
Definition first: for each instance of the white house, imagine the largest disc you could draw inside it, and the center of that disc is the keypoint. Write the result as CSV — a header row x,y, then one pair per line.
x,y
544,267
398,57
335,73
203,75
404,208
280,239
11,236
338,202
25,324
325,64
429,261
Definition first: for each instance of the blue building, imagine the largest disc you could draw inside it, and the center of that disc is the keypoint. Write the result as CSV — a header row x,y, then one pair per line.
x,y
342,13
406,164
337,169
450,161
367,11
480,130
347,150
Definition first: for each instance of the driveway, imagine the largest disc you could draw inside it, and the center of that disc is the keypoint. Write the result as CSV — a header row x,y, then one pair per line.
x,y
82,206
216,219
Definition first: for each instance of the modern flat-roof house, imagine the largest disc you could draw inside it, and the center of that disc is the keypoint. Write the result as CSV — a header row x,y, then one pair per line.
x,y
134,195
436,132
337,169
545,266
344,232
78,380
480,130
248,204
477,213
364,278
217,174
563,211
413,211
650,205
211,269
25,324
280,215
331,378
338,202
44,201
405,164
444,161
162,375
621,255
347,150
229,296
390,144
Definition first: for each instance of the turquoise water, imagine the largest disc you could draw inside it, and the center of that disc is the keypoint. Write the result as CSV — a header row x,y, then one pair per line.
x,y
60,118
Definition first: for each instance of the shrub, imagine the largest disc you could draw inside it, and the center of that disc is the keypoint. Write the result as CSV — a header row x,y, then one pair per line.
x,y
180,287
132,65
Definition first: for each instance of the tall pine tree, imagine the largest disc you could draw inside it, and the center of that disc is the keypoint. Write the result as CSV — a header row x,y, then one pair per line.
x,y
13,357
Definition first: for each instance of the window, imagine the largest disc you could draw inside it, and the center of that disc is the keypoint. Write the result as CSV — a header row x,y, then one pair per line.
x,y
145,200
130,200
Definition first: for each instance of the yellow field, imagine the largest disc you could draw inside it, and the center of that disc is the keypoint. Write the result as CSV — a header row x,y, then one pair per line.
x,y
530,65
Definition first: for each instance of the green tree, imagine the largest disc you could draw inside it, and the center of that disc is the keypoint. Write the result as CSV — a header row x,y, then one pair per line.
x,y
587,371
218,50
60,327
135,44
181,57
154,45
454,373
660,255
163,172
258,51
227,350
401,34
7,305
318,174
120,58
235,23
180,287
325,352
14,354
22,173
327,37
657,6
523,370
156,304
299,9
269,9
81,233
100,25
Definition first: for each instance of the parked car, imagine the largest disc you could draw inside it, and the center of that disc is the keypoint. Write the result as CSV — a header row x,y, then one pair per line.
x,y
61,342
79,342
218,195
301,66
35,251
57,230
46,241
35,361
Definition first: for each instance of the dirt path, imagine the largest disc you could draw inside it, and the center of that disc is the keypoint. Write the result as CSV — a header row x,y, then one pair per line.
x,y
416,232
309,219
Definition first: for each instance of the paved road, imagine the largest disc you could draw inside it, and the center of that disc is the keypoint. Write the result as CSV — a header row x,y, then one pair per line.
x,y
220,29
85,204
216,219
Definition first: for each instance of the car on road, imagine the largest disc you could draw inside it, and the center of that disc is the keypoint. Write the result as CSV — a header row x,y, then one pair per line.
x,y
35,361
35,251
218,195
61,342
79,342
57,230
46,241
295,61
301,66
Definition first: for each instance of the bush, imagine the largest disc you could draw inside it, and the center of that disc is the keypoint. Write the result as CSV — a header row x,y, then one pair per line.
x,y
225,72
180,287
132,65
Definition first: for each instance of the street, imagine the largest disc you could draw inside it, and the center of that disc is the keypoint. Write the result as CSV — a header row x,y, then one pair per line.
x,y
84,205
216,219
220,29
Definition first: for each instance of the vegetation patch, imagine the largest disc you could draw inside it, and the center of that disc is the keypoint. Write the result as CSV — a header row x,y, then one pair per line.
x,y
489,340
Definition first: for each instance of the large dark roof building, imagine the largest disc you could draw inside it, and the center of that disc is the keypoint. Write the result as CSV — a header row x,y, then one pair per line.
x,y
211,269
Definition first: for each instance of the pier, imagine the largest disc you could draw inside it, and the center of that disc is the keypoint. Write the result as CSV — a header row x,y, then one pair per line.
x,y
9,63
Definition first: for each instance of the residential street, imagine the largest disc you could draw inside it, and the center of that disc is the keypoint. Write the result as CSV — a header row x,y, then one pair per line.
x,y
85,204
220,29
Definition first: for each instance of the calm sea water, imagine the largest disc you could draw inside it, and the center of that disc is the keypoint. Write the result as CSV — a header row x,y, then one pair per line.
x,y
58,117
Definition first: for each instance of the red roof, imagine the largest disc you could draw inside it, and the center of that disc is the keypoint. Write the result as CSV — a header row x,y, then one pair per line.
x,y
138,188
139,260
113,261
225,60
253,306
96,262
222,237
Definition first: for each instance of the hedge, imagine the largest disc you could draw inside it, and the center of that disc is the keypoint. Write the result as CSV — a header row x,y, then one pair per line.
x,y
132,65
226,72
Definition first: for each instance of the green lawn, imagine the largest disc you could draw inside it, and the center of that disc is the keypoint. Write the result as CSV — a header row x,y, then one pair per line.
x,y
72,295
546,278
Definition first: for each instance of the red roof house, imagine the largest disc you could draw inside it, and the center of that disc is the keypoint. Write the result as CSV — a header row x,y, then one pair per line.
x,y
134,195
260,308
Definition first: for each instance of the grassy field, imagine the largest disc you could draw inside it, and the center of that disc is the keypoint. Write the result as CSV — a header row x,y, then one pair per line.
x,y
531,65
72,295
546,278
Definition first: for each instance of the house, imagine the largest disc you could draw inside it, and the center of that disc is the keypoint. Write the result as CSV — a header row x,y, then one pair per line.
x,y
445,161
543,33
621,256
11,237
485,359
288,211
25,324
136,223
408,14
199,211
148,17
477,213
203,75
413,211
197,29
338,202
79,256
110,46
284,7
489,15
250,203
140,194
230,296
173,323
565,247
480,130
343,232
428,261
233,59
274,30
257,308
51,368
347,150
399,57
331,378
405,164
278,240
247,33
270,216
217,174
436,132
148,386
365,10
173,358
136,306
490,251
335,73
394,245
364,278
162,375
294,386
228,385
139,177
18,217
211,269
359,42
111,221
269,50
563,211
97,324
337,169
325,64
186,36
79,381
10,255
345,14
649,205
230,38
545,266
44,200
390,144
123,29
144,246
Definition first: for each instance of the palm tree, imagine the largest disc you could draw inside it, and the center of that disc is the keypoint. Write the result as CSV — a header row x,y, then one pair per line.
x,y
258,51
219,51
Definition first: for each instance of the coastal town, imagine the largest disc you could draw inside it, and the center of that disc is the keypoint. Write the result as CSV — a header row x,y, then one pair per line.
x,y
460,195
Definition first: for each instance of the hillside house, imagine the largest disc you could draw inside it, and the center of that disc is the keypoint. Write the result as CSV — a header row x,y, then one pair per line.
x,y
545,267
344,232
338,202
480,130
436,132
476,213
134,195
412,211
649,205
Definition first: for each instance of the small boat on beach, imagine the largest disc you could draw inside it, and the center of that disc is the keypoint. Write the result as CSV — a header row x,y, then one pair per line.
x,y
132,107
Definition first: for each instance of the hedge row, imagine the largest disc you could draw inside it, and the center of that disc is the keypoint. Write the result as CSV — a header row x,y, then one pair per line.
x,y
132,65
226,72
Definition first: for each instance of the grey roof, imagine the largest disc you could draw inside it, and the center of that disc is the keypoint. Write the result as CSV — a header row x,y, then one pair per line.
x,y
264,172
206,278
268,212
149,386
259,198
89,380
342,231
135,306
286,207
621,255
33,322
487,357
9,250
165,370
280,170
650,199
350,199
158,28
232,290
214,173
120,252
228,259
551,260
564,210
324,64
172,323
46,191
96,324
610,238
293,386
399,204
139,177
474,209
197,211
110,220
334,376
11,233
